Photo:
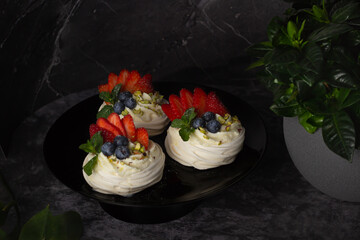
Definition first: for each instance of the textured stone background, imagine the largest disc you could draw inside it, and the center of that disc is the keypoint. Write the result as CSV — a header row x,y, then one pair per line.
x,y
54,53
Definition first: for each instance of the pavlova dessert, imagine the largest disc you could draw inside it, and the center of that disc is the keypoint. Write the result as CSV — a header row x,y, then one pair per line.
x,y
202,133
129,93
121,159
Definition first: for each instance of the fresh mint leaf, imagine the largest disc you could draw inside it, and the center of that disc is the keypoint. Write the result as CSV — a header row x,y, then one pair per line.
x,y
178,123
107,97
89,166
185,133
188,116
93,145
115,92
105,111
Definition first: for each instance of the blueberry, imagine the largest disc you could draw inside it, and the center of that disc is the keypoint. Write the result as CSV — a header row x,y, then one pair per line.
x,y
124,95
213,126
108,148
121,141
198,122
119,107
122,152
208,116
130,103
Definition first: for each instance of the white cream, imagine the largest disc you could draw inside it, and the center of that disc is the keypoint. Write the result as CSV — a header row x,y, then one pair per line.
x,y
148,113
128,176
206,150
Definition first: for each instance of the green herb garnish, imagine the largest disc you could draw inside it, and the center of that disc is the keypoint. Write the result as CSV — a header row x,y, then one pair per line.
x,y
92,146
105,111
185,124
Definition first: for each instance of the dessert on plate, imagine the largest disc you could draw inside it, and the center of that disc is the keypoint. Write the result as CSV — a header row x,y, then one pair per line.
x,y
121,159
202,134
129,93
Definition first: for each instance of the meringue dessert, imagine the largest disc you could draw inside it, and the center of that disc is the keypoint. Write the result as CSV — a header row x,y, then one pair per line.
x,y
121,159
203,134
129,93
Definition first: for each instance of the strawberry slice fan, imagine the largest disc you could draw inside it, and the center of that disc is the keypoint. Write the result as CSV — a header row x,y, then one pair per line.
x,y
113,126
199,100
130,81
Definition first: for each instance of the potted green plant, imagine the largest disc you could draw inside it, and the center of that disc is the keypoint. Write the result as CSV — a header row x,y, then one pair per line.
x,y
311,63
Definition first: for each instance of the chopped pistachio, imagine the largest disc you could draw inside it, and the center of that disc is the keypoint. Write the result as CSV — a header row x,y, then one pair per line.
x,y
219,143
227,128
144,101
202,130
205,136
226,116
221,120
137,146
125,112
137,93
142,149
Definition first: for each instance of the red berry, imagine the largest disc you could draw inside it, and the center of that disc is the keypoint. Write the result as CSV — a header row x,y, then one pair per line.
x,y
104,123
115,120
112,80
176,105
186,98
145,84
107,136
93,129
131,82
129,127
213,104
168,111
199,101
104,88
142,137
123,76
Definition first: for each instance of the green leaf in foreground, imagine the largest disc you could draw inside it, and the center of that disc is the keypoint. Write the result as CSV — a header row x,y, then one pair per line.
x,y
89,166
94,144
339,134
185,133
105,111
188,116
44,225
178,123
185,124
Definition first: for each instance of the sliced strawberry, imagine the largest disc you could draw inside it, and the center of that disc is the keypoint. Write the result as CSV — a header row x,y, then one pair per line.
x,y
123,76
104,88
112,80
213,104
199,101
115,120
176,106
129,127
186,98
168,111
145,84
104,123
107,136
142,137
132,81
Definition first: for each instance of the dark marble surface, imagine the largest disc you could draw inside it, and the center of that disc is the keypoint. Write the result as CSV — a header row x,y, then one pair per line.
x,y
52,51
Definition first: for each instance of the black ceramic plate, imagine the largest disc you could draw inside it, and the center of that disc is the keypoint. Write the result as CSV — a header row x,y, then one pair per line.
x,y
180,185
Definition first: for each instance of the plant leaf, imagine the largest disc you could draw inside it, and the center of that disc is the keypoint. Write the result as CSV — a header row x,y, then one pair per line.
x,y
329,31
45,226
303,120
185,133
341,13
178,123
340,77
115,93
105,111
280,56
312,57
274,27
189,115
89,166
339,134
290,110
106,96
94,144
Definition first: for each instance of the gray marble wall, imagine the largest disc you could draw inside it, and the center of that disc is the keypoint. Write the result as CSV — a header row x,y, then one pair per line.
x,y
50,49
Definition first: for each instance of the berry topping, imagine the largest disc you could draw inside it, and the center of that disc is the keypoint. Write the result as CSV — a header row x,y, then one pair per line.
x,y
186,98
132,81
142,137
145,84
213,126
112,80
115,120
168,111
208,116
199,101
176,105
130,103
122,152
104,88
121,141
119,107
129,127
198,122
104,123
123,76
215,105
108,148
124,95
107,136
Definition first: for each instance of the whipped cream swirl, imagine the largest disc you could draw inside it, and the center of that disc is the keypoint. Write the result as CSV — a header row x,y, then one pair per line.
x,y
206,150
128,176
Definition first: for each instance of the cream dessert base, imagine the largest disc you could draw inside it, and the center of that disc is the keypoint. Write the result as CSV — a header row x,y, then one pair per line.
x,y
203,153
128,176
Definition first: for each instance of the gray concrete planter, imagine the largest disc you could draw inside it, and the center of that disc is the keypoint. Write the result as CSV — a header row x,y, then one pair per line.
x,y
322,168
